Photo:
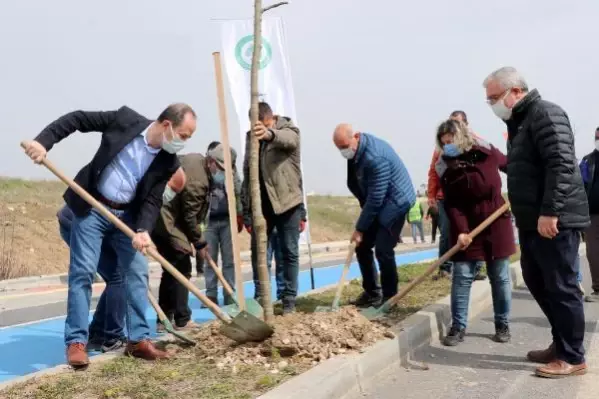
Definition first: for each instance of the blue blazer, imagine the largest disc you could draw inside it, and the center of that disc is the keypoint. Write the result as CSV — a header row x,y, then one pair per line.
x,y
380,181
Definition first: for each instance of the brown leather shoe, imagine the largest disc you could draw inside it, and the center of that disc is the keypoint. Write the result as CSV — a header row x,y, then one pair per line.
x,y
544,356
77,356
561,369
145,350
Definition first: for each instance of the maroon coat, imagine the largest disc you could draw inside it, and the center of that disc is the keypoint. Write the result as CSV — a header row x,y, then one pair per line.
x,y
472,188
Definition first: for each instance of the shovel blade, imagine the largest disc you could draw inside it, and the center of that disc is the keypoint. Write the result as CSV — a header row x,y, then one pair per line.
x,y
246,328
371,313
168,326
251,306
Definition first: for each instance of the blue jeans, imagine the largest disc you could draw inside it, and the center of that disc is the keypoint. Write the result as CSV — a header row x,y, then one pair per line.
x,y
218,237
109,318
417,227
444,230
287,234
274,250
88,235
501,290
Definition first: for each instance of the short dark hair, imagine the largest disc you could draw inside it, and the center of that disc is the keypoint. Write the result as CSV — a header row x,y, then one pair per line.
x,y
264,111
213,145
459,113
597,130
175,113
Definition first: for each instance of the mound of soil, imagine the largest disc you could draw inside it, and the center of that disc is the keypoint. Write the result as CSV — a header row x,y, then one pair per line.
x,y
298,337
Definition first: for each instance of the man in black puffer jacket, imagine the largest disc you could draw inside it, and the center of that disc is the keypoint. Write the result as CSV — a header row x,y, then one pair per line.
x,y
550,205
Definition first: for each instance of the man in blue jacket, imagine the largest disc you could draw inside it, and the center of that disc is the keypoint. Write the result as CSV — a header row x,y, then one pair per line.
x,y
379,180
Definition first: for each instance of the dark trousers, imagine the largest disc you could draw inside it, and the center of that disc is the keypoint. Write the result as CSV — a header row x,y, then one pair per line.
x,y
592,240
287,231
383,240
444,229
173,297
435,226
549,271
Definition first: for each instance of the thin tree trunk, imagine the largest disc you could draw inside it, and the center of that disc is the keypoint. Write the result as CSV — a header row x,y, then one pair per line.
x,y
258,222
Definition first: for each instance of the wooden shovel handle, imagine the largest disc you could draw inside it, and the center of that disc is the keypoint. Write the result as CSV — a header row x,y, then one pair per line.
x,y
156,306
219,274
455,249
348,259
129,233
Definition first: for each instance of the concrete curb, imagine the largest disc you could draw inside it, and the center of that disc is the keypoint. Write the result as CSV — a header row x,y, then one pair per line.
x,y
341,375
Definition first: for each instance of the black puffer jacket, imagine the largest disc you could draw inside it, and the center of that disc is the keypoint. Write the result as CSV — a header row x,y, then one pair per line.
x,y
543,175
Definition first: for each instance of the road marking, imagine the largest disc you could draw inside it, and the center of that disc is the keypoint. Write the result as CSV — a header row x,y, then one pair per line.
x,y
51,291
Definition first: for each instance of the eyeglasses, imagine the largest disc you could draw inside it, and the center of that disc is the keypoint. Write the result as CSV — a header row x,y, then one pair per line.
x,y
496,97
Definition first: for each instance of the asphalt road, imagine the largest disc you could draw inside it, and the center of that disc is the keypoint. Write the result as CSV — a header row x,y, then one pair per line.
x,y
481,368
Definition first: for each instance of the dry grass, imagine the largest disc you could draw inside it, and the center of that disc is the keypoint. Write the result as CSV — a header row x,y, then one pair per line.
x,y
31,208
189,375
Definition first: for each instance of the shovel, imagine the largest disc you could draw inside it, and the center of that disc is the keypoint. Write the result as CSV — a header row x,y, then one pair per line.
x,y
251,305
335,305
168,326
243,328
372,313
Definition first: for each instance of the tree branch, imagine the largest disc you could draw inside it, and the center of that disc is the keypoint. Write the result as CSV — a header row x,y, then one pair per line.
x,y
281,3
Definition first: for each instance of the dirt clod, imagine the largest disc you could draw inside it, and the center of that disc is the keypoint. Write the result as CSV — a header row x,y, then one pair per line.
x,y
301,337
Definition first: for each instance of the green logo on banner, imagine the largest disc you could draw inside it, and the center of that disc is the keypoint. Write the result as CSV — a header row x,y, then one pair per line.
x,y
244,50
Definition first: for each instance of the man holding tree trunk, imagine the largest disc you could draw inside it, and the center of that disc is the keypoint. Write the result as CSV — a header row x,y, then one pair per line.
x,y
281,194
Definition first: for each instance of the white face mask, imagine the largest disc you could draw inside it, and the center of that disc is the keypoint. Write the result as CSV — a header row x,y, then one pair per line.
x,y
168,195
500,109
597,145
173,146
348,153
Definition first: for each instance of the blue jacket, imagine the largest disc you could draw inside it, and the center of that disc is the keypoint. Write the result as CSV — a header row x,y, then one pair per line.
x,y
379,180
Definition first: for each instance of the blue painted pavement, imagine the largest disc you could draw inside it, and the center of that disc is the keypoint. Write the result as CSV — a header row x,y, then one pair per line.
x,y
29,348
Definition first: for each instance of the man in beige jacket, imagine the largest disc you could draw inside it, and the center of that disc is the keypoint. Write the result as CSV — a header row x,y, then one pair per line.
x,y
281,194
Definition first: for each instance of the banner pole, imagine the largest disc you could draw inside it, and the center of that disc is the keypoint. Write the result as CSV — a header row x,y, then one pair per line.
x,y
229,186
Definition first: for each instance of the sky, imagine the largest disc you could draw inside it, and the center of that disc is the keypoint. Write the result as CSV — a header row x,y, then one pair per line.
x,y
394,69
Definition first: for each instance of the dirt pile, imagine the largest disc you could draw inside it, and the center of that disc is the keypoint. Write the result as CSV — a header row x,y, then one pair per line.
x,y
298,338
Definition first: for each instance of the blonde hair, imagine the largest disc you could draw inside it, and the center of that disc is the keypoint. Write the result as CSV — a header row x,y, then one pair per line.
x,y
462,137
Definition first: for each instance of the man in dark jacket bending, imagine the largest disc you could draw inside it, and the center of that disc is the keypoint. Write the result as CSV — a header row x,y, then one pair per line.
x,y
377,177
550,205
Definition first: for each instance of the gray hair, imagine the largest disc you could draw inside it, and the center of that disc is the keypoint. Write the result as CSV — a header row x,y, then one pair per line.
x,y
508,78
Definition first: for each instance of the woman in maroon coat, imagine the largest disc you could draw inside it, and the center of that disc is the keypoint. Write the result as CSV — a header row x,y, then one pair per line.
x,y
469,173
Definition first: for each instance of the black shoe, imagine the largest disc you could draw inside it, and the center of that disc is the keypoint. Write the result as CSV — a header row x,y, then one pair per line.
x,y
480,277
114,344
94,344
288,305
502,333
366,300
454,336
594,297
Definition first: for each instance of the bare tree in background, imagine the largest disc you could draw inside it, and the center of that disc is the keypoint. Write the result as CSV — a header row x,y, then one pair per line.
x,y
258,221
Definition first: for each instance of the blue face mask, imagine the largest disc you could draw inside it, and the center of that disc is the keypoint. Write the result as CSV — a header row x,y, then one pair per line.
x,y
218,177
451,150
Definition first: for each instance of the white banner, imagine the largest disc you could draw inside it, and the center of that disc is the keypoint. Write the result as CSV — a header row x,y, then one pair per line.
x,y
275,84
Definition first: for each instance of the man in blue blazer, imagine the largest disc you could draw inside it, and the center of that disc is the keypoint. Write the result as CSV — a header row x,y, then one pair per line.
x,y
377,177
